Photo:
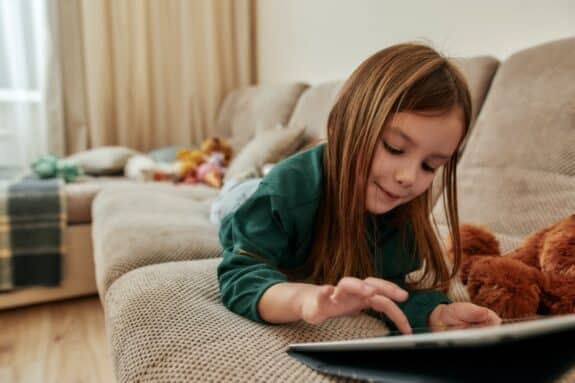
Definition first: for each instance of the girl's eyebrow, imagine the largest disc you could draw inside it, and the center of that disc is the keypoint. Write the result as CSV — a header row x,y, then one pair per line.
x,y
398,131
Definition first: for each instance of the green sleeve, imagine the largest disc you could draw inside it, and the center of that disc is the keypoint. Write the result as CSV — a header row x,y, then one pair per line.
x,y
254,239
419,304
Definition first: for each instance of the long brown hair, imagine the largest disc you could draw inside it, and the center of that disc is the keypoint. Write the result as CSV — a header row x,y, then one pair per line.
x,y
405,77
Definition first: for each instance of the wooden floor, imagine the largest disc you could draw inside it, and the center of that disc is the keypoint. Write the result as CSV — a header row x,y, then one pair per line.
x,y
55,342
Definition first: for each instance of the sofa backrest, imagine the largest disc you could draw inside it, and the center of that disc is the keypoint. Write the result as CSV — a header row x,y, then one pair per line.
x,y
312,109
246,111
478,72
517,173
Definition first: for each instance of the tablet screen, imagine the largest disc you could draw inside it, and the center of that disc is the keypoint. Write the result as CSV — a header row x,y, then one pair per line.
x,y
424,330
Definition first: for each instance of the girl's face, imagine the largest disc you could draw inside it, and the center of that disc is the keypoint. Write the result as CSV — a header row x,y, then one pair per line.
x,y
411,149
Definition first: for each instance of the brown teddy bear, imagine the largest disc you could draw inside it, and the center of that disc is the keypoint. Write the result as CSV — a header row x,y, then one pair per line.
x,y
536,278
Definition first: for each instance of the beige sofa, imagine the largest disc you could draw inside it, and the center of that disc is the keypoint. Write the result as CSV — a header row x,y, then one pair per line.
x,y
156,252
268,106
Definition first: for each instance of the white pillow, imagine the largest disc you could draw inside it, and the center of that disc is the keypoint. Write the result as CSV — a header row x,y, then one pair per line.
x,y
268,146
103,160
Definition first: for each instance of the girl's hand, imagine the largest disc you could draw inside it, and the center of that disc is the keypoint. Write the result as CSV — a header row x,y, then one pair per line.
x,y
461,314
350,296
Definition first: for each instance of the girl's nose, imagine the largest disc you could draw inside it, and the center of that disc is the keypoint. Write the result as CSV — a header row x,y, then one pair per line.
x,y
406,176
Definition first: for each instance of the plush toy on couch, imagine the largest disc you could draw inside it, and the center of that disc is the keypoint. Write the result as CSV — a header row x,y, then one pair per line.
x,y
536,278
206,164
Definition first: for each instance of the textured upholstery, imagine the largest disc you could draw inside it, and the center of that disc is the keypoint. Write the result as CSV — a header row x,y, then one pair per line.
x,y
269,146
478,72
249,110
167,324
135,227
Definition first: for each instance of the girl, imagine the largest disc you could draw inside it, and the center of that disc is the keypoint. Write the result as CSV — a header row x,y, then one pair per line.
x,y
334,230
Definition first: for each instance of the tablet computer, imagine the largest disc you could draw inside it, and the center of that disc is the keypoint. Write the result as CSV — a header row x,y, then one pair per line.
x,y
450,338
535,349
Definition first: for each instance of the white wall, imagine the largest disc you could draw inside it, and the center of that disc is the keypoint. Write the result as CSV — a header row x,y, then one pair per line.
x,y
324,40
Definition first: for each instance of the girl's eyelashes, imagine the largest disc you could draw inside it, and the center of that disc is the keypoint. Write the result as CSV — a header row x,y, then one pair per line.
x,y
396,152
428,168
391,149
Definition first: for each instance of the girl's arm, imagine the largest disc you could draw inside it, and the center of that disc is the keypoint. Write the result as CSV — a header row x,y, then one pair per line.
x,y
289,302
282,302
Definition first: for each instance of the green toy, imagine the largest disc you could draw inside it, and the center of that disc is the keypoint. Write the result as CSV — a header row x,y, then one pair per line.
x,y
50,166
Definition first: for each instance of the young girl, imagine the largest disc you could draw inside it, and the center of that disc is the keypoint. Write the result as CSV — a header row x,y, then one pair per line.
x,y
334,230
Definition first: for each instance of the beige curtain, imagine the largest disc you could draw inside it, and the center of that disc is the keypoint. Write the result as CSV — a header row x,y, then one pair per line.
x,y
150,73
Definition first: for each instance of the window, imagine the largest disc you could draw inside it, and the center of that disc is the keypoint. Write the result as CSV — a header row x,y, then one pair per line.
x,y
23,69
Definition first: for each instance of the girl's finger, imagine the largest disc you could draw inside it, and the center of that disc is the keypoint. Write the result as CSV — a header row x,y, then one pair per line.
x,y
471,313
450,317
494,319
355,286
388,307
326,291
387,288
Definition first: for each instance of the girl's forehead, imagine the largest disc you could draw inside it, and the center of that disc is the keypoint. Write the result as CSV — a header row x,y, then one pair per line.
x,y
438,131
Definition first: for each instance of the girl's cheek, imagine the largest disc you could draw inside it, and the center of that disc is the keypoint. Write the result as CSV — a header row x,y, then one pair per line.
x,y
427,182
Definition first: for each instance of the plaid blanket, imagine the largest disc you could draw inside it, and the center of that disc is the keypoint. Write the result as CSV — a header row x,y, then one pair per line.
x,y
32,222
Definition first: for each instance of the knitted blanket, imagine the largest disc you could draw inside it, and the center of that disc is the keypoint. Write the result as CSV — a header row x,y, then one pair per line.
x,y
32,219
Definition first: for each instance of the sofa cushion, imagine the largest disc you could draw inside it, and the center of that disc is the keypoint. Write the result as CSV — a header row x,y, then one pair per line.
x,y
252,109
268,146
517,174
312,109
81,194
478,72
135,227
167,323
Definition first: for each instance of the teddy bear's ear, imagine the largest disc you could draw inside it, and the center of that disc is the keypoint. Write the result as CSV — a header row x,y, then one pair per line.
x,y
476,242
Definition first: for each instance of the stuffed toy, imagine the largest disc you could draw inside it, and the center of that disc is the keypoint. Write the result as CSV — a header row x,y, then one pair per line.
x,y
51,166
144,168
211,171
536,278
206,165
188,161
218,145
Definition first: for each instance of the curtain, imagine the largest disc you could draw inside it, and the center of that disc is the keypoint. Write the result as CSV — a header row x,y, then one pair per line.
x,y
30,109
150,73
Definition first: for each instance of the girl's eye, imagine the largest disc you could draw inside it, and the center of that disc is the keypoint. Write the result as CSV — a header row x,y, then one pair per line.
x,y
428,168
391,149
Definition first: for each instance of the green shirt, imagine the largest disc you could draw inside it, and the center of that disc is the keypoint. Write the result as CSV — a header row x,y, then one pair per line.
x,y
274,227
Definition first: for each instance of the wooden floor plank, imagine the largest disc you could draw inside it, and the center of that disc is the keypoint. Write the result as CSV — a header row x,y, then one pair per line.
x,y
55,342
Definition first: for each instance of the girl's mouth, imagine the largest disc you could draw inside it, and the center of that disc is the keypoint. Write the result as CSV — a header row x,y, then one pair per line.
x,y
389,195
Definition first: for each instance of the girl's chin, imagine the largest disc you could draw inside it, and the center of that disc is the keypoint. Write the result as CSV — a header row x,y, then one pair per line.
x,y
379,208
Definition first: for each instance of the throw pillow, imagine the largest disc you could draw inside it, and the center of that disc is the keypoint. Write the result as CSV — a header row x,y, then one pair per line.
x,y
165,154
268,146
103,160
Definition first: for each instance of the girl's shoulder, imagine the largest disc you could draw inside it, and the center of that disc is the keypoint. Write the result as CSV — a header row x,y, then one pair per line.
x,y
298,179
